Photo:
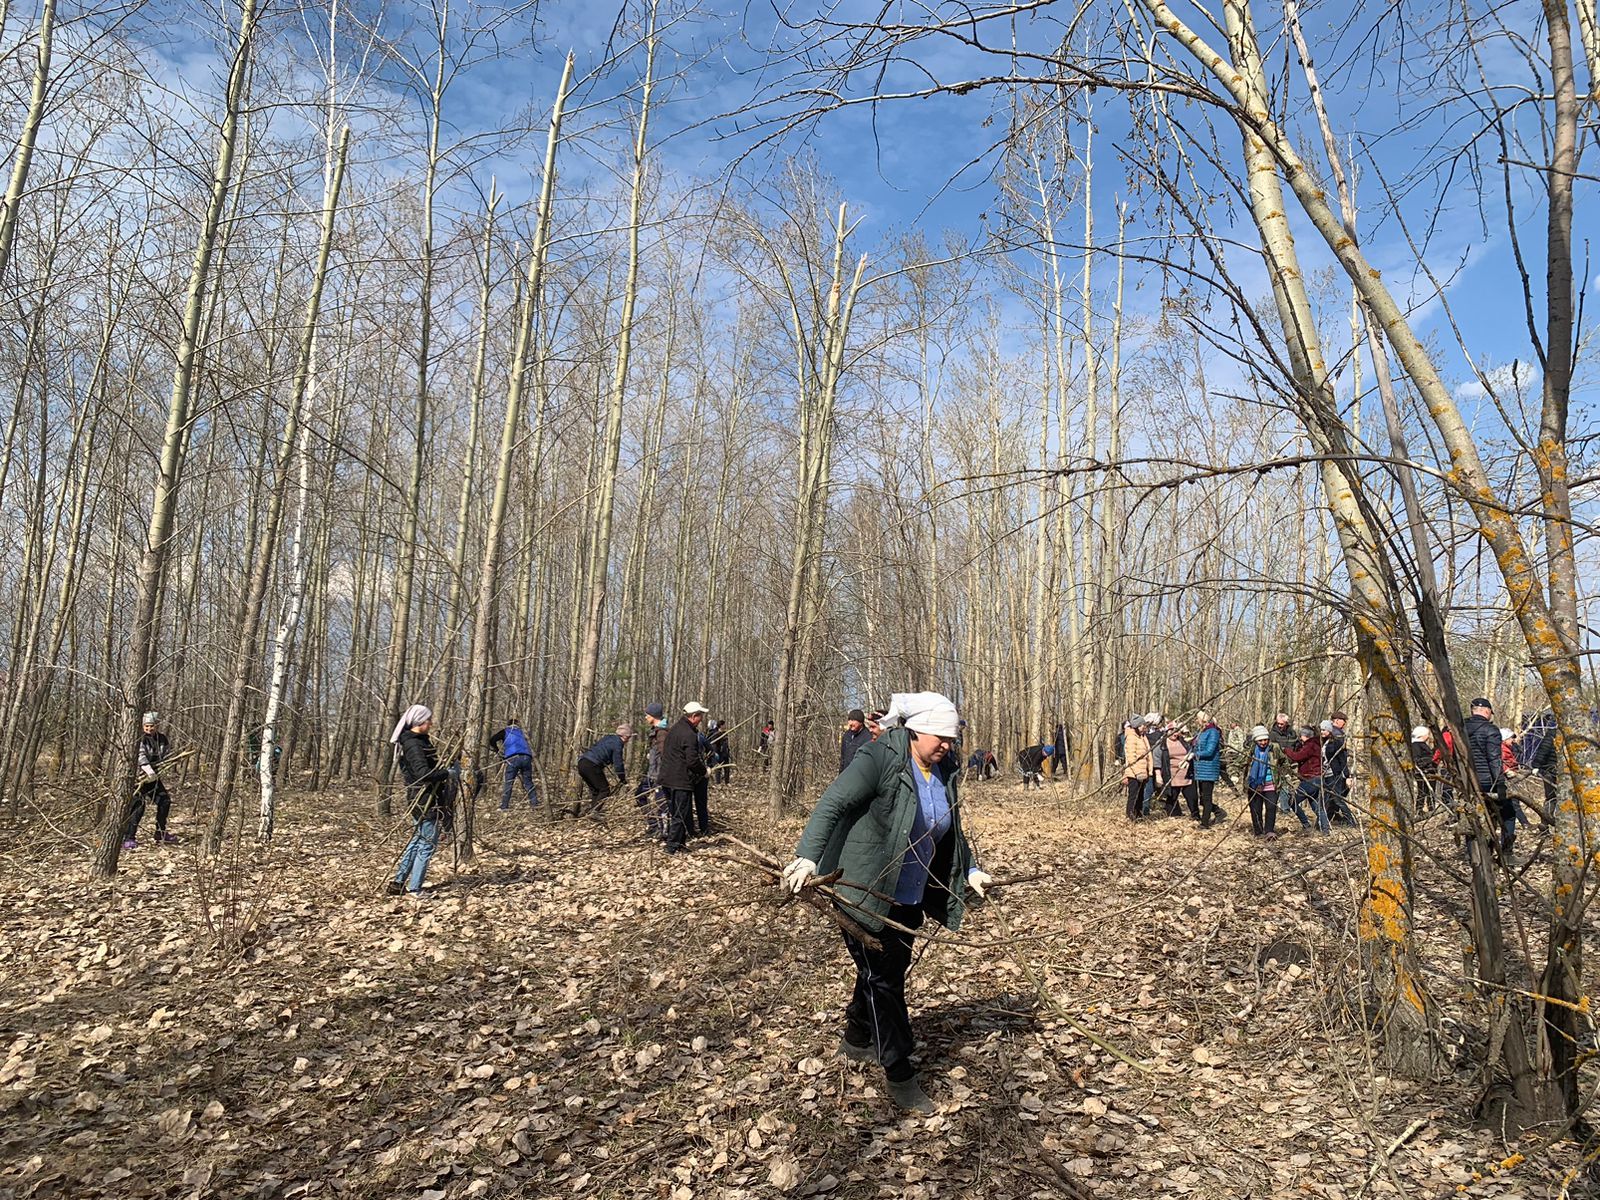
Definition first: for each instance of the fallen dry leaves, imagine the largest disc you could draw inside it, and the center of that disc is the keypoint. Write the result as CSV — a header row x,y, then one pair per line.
x,y
1165,1012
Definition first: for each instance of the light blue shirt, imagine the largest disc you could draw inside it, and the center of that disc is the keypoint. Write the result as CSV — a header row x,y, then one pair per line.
x,y
931,823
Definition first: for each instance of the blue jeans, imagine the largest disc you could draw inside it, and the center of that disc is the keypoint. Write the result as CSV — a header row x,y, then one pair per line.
x,y
519,766
414,861
1311,789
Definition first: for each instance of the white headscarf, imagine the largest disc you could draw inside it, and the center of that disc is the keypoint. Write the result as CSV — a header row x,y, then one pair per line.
x,y
412,717
924,712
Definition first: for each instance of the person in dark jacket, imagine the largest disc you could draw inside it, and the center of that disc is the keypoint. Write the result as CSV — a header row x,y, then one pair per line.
x,y
1536,751
1306,755
1058,757
150,787
1030,762
855,736
511,744
1283,734
1488,768
894,819
683,768
428,797
719,754
982,765
1336,772
592,764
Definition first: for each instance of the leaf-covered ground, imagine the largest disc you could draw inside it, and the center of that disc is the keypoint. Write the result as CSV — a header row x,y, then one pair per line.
x,y
1165,1011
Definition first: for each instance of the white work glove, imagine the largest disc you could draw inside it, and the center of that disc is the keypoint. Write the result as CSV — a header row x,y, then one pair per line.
x,y
979,881
149,772
797,873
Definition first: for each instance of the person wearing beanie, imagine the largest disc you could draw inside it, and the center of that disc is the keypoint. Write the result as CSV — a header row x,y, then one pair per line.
x,y
1336,772
591,767
894,819
1424,769
150,787
1509,761
511,744
1030,761
856,735
1261,783
429,797
1137,764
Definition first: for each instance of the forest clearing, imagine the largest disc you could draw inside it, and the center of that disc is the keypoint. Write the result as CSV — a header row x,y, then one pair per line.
x,y
579,1014
1110,493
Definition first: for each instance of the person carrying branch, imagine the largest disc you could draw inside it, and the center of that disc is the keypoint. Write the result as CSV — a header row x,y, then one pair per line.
x,y
150,787
429,796
891,824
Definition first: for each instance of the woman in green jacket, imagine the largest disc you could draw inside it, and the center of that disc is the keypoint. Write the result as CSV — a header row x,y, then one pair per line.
x,y
891,822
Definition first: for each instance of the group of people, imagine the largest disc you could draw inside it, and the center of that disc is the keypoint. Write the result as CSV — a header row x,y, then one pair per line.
x,y
1168,767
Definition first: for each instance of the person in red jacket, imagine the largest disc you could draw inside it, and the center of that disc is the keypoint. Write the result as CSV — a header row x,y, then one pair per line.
x,y
1306,755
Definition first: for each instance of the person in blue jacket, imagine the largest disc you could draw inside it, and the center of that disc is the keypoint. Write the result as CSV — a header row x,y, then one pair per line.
x,y
592,764
511,744
1207,767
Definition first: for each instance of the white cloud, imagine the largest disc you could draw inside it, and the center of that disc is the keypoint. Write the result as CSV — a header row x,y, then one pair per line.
x,y
1505,380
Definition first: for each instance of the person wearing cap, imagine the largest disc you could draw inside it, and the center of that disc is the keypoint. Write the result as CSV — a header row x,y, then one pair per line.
x,y
1262,776
1207,768
1335,773
1488,769
891,824
1306,755
1030,761
683,769
429,797
150,787
511,744
592,764
1424,769
855,736
1136,765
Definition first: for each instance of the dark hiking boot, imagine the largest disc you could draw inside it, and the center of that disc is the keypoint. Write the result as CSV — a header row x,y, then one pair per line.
x,y
395,888
907,1094
857,1053
165,838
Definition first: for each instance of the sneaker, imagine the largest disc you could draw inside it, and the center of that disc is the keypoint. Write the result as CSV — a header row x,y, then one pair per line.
x,y
396,888
166,839
129,844
908,1095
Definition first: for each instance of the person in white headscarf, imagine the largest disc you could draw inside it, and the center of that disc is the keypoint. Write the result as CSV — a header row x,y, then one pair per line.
x,y
428,796
891,822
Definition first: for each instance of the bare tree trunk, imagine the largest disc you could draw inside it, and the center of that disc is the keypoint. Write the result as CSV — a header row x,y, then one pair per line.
x,y
489,568
305,387
600,564
138,682
22,160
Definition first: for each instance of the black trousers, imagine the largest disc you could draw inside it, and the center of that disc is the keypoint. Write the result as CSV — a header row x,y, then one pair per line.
x,y
876,1015
702,808
1263,812
1135,799
1207,788
594,778
156,791
680,817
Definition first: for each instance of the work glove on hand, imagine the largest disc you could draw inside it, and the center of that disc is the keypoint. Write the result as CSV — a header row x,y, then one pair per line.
x,y
980,882
797,873
148,772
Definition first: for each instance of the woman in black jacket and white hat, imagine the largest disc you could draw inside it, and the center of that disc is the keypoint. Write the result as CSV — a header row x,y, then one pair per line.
x,y
428,796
